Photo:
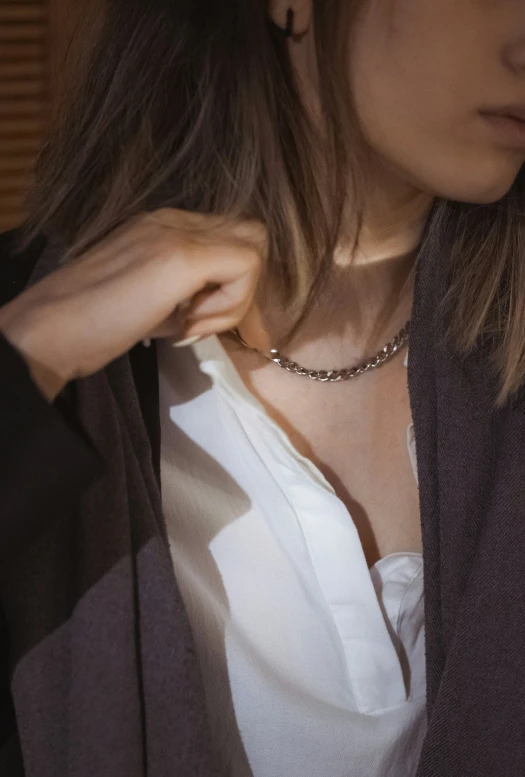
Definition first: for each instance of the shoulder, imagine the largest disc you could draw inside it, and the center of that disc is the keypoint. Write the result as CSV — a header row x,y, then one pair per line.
x,y
16,265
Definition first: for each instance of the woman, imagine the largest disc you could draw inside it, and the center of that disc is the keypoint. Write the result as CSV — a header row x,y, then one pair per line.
x,y
211,565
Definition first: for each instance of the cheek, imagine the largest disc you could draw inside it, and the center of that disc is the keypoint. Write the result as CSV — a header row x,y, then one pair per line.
x,y
417,100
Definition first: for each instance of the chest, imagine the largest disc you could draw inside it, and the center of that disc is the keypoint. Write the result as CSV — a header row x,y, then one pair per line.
x,y
356,433
282,603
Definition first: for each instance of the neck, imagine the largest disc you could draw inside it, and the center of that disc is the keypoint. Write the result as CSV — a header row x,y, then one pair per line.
x,y
393,218
368,296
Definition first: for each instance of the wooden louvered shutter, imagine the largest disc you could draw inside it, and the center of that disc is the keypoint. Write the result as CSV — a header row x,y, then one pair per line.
x,y
24,99
33,37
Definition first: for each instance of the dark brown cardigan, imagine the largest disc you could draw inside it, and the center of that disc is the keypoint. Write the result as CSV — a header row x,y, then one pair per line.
x,y
98,661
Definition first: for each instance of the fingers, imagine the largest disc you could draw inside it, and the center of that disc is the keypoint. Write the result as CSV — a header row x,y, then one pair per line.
x,y
165,273
210,311
221,307
215,312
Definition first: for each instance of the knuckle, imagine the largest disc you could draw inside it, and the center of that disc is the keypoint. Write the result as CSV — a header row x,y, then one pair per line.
x,y
252,230
160,220
140,220
259,231
254,257
161,214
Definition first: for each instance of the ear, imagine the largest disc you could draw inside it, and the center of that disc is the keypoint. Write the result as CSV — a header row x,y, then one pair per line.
x,y
302,14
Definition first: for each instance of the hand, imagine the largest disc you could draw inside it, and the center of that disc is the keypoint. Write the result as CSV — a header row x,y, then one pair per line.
x,y
128,287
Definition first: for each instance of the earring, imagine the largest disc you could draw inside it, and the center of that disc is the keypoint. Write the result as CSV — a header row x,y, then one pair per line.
x,y
288,30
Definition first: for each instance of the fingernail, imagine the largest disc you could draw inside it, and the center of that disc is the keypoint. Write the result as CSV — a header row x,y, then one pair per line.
x,y
187,341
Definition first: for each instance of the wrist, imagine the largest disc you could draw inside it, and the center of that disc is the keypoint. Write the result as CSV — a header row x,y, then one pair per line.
x,y
48,380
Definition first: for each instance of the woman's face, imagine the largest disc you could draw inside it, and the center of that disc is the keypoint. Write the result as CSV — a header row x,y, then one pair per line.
x,y
423,72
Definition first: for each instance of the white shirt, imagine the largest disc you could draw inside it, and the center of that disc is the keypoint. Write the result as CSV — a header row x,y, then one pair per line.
x,y
313,665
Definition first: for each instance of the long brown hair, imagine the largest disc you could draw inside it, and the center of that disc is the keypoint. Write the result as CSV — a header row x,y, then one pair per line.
x,y
193,104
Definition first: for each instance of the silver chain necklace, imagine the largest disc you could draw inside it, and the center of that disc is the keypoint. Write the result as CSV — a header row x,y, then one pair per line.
x,y
382,356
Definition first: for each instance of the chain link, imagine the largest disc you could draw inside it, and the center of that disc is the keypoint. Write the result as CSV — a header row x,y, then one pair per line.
x,y
332,376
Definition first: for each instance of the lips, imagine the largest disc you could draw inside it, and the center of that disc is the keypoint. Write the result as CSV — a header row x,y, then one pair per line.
x,y
516,112
507,126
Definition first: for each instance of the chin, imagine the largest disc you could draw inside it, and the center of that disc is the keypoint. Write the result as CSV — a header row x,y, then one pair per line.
x,y
481,193
480,186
